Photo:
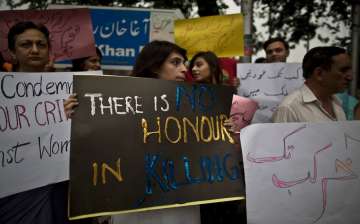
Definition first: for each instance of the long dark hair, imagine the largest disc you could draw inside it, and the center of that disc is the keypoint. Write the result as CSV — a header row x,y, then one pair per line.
x,y
214,65
2,61
152,56
78,63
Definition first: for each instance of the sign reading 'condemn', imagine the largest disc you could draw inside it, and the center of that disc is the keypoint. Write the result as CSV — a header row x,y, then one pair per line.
x,y
141,144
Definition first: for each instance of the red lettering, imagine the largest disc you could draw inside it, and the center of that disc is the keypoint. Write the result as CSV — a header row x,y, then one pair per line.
x,y
36,114
13,120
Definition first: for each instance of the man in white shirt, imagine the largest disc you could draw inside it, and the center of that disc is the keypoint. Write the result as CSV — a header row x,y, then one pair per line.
x,y
327,71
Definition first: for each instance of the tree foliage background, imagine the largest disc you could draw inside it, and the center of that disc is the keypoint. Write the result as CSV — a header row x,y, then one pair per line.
x,y
296,21
326,20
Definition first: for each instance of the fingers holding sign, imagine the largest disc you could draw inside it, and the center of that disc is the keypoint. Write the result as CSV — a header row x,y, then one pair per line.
x,y
70,104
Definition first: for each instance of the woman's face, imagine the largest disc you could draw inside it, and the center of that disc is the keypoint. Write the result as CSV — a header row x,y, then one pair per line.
x,y
31,51
173,68
201,71
92,63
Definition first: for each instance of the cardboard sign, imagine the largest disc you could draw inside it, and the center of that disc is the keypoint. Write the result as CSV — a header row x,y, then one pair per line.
x,y
34,132
70,31
302,172
268,84
140,144
221,34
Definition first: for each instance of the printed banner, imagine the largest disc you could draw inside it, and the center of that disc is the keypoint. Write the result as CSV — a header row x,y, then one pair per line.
x,y
34,132
121,33
221,34
161,145
302,172
70,31
268,84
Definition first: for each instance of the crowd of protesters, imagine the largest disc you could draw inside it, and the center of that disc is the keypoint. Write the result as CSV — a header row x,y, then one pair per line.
x,y
327,71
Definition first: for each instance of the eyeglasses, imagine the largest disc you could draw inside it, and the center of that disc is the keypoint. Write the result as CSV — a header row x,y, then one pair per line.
x,y
177,62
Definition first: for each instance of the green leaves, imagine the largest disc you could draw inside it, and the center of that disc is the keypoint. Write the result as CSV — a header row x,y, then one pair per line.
x,y
307,19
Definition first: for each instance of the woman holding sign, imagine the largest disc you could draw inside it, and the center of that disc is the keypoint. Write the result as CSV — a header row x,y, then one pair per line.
x,y
205,68
162,60
29,46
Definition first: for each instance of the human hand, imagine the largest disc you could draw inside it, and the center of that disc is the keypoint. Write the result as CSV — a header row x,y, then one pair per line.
x,y
70,104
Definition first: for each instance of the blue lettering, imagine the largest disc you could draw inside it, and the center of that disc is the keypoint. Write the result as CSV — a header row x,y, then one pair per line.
x,y
188,177
201,95
215,168
168,173
203,90
206,169
150,165
180,91
235,170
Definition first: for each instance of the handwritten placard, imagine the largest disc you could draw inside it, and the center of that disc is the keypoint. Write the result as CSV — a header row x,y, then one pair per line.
x,y
302,172
221,34
268,84
162,26
70,31
161,145
34,132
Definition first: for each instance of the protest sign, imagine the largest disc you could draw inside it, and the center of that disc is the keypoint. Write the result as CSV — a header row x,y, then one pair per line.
x,y
302,172
221,34
121,33
34,132
140,144
268,84
70,31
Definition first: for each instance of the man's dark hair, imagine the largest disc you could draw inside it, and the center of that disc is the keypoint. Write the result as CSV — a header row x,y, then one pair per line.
x,y
21,27
276,39
153,55
319,57
260,60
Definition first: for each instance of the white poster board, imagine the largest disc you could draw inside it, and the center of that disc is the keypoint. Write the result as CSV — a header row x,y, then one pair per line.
x,y
302,172
268,84
34,132
162,26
